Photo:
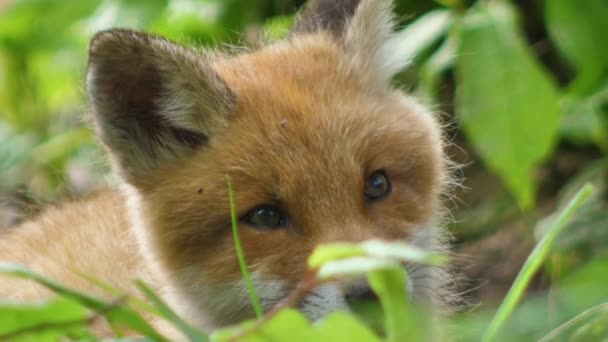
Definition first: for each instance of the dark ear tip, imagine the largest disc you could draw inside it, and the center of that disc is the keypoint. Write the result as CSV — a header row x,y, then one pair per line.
x,y
109,40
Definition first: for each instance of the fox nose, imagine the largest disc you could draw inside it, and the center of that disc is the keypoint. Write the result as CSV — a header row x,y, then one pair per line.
x,y
359,291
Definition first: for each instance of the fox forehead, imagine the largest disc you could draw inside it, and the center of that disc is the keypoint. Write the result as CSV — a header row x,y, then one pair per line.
x,y
306,132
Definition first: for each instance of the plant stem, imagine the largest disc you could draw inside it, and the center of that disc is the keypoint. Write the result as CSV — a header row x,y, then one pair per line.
x,y
533,263
255,300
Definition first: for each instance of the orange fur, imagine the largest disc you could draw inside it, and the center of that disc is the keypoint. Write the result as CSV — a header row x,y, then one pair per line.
x,y
299,124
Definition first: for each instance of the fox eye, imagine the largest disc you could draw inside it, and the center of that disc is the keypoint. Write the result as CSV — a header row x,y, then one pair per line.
x,y
377,186
265,217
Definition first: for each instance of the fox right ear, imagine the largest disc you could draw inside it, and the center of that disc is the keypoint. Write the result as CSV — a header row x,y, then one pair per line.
x,y
364,28
153,101
327,15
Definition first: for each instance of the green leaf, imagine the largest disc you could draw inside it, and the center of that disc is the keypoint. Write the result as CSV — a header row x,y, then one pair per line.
x,y
324,253
117,315
53,320
578,29
402,251
291,325
379,252
506,102
439,62
421,34
354,266
340,326
401,324
287,324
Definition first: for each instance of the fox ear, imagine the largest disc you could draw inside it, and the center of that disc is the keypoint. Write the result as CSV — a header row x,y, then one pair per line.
x,y
326,15
153,101
365,28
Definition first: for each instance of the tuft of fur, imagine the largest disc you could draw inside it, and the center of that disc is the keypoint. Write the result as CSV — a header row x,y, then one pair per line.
x,y
299,124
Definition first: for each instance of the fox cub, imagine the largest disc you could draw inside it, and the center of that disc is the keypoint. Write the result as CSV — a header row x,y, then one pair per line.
x,y
319,146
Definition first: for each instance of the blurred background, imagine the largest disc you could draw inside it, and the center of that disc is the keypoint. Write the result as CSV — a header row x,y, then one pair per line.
x,y
521,87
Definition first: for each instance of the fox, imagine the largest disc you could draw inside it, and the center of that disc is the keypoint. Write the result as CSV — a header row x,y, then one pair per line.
x,y
320,146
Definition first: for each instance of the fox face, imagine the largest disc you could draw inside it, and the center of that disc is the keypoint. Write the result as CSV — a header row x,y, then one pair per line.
x,y
318,145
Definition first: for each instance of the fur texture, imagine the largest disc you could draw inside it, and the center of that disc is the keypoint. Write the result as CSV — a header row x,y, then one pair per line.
x,y
299,124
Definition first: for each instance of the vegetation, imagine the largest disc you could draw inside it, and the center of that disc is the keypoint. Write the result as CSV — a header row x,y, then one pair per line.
x,y
526,81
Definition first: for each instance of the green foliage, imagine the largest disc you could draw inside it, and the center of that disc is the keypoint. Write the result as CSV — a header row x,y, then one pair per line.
x,y
68,315
48,321
506,101
119,317
516,100
576,28
507,104
533,263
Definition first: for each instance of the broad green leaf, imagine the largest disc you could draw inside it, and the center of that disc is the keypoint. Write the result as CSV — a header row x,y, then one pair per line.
x,y
402,251
507,104
421,34
401,323
439,62
578,29
291,325
53,320
340,326
288,324
379,252
354,266
329,252
117,315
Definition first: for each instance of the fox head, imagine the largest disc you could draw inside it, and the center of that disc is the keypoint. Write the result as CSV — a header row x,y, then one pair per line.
x,y
318,144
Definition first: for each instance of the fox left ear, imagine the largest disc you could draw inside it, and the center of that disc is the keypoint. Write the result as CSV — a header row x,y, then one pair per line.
x,y
153,101
365,28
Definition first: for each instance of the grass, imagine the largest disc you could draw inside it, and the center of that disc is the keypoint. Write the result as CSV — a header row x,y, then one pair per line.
x,y
332,261
533,263
255,300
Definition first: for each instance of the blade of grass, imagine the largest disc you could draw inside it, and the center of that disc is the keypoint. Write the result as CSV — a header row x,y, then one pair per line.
x,y
533,263
165,311
255,300
122,315
22,272
136,303
569,324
